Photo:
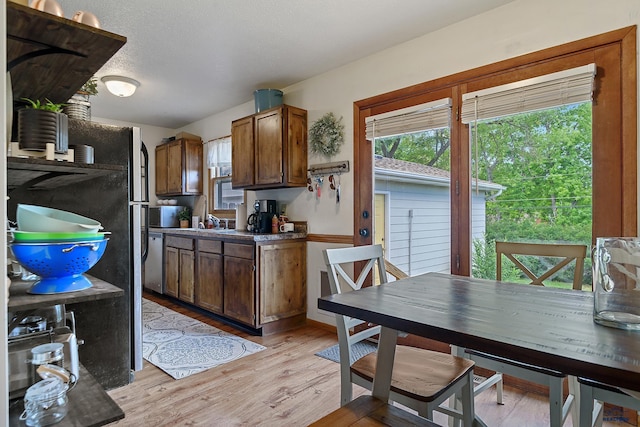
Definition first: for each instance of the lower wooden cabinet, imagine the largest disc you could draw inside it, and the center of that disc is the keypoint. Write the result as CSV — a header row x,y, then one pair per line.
x,y
261,285
187,276
180,268
239,283
282,277
209,282
171,271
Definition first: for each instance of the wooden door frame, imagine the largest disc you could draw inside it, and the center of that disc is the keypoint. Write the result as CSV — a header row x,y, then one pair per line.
x,y
615,137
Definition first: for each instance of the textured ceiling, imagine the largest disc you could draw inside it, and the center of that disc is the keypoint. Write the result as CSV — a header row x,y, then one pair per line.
x,y
195,58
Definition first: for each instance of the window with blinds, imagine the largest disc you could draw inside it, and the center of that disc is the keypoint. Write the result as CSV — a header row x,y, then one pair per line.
x,y
428,116
566,87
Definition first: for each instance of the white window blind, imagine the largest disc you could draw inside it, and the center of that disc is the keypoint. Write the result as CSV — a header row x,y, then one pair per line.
x,y
551,90
432,115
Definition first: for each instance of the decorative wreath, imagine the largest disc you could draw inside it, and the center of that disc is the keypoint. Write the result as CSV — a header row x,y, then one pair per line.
x,y
326,135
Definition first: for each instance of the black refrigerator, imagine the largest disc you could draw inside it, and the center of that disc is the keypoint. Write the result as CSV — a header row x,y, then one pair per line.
x,y
111,329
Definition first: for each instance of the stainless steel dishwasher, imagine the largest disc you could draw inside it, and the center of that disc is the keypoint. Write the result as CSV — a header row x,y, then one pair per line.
x,y
153,278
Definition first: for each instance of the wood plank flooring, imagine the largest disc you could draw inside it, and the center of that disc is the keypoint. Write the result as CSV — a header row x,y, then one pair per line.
x,y
284,385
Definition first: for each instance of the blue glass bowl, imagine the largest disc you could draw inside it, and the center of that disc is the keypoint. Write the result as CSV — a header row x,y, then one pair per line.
x,y
59,265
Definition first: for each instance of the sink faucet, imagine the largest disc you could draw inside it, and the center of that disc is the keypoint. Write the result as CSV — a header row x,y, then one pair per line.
x,y
215,220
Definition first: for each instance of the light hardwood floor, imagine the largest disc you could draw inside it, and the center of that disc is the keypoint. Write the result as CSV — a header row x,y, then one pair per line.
x,y
284,385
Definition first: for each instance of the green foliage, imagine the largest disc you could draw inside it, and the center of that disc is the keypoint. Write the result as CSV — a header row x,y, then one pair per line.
x,y
544,160
184,214
90,87
46,106
326,135
484,261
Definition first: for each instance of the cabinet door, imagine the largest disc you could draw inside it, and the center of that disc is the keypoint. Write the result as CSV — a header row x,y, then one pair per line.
x,y
172,271
161,170
268,138
239,289
192,167
174,167
242,153
296,165
187,276
209,282
282,280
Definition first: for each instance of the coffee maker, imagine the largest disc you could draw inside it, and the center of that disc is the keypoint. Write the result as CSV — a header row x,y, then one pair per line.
x,y
264,209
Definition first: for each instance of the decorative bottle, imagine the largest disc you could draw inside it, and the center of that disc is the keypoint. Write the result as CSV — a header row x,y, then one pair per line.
x,y
274,224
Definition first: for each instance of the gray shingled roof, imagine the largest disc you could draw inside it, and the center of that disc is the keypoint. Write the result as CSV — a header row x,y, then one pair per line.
x,y
418,169
404,166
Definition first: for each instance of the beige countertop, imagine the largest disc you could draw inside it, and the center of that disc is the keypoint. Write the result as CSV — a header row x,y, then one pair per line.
x,y
230,234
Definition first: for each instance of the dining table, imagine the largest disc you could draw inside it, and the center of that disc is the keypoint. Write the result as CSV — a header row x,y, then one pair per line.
x,y
537,325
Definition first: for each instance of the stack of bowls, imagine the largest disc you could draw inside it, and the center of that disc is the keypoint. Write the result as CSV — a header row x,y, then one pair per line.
x,y
58,246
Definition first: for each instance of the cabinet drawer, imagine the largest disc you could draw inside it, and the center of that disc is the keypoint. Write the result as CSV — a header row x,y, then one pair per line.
x,y
211,246
238,250
179,242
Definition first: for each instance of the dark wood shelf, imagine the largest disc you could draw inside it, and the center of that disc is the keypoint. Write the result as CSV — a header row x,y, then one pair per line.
x,y
20,300
52,57
51,173
86,394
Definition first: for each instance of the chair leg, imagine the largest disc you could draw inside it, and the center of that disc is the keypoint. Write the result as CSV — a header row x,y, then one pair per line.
x,y
468,410
500,391
574,389
586,406
346,389
555,403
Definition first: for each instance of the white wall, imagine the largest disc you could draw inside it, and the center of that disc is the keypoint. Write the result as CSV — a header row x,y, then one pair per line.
x,y
515,29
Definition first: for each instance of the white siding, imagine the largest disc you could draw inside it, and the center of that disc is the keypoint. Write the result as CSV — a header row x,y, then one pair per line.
x,y
422,243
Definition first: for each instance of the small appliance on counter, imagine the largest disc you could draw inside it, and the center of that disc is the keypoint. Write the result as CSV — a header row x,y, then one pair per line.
x,y
164,216
260,220
265,206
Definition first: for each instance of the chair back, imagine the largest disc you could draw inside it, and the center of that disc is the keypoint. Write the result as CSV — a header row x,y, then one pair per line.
x,y
566,252
341,281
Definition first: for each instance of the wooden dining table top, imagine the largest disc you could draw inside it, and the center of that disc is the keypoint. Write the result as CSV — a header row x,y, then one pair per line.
x,y
538,325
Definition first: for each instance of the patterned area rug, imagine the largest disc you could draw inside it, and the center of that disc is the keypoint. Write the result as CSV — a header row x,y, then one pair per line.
x,y
359,350
182,346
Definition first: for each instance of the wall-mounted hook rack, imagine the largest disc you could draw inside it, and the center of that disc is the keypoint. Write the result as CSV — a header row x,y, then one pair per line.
x,y
329,168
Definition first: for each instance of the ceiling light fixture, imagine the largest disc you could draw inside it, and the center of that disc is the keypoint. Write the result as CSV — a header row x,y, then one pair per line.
x,y
120,86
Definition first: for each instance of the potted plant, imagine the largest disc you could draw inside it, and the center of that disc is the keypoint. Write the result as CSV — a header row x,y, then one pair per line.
x,y
40,123
184,216
79,106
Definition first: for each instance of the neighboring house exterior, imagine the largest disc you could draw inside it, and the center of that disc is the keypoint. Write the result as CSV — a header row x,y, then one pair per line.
x,y
413,214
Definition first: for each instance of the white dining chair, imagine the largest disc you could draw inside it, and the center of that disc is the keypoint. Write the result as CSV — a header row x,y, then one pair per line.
x,y
594,394
422,379
564,254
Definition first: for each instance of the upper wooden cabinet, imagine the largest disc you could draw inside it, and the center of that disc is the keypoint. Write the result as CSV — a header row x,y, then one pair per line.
x,y
179,168
269,149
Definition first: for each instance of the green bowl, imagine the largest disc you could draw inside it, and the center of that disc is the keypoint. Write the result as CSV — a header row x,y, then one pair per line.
x,y
41,237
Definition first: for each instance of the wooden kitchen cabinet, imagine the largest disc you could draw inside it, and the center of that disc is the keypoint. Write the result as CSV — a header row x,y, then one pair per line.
x,y
162,165
179,168
269,149
171,271
180,268
242,153
239,283
282,278
259,284
209,282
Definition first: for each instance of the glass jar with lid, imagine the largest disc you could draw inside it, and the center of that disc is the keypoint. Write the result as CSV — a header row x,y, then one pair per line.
x,y
45,402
